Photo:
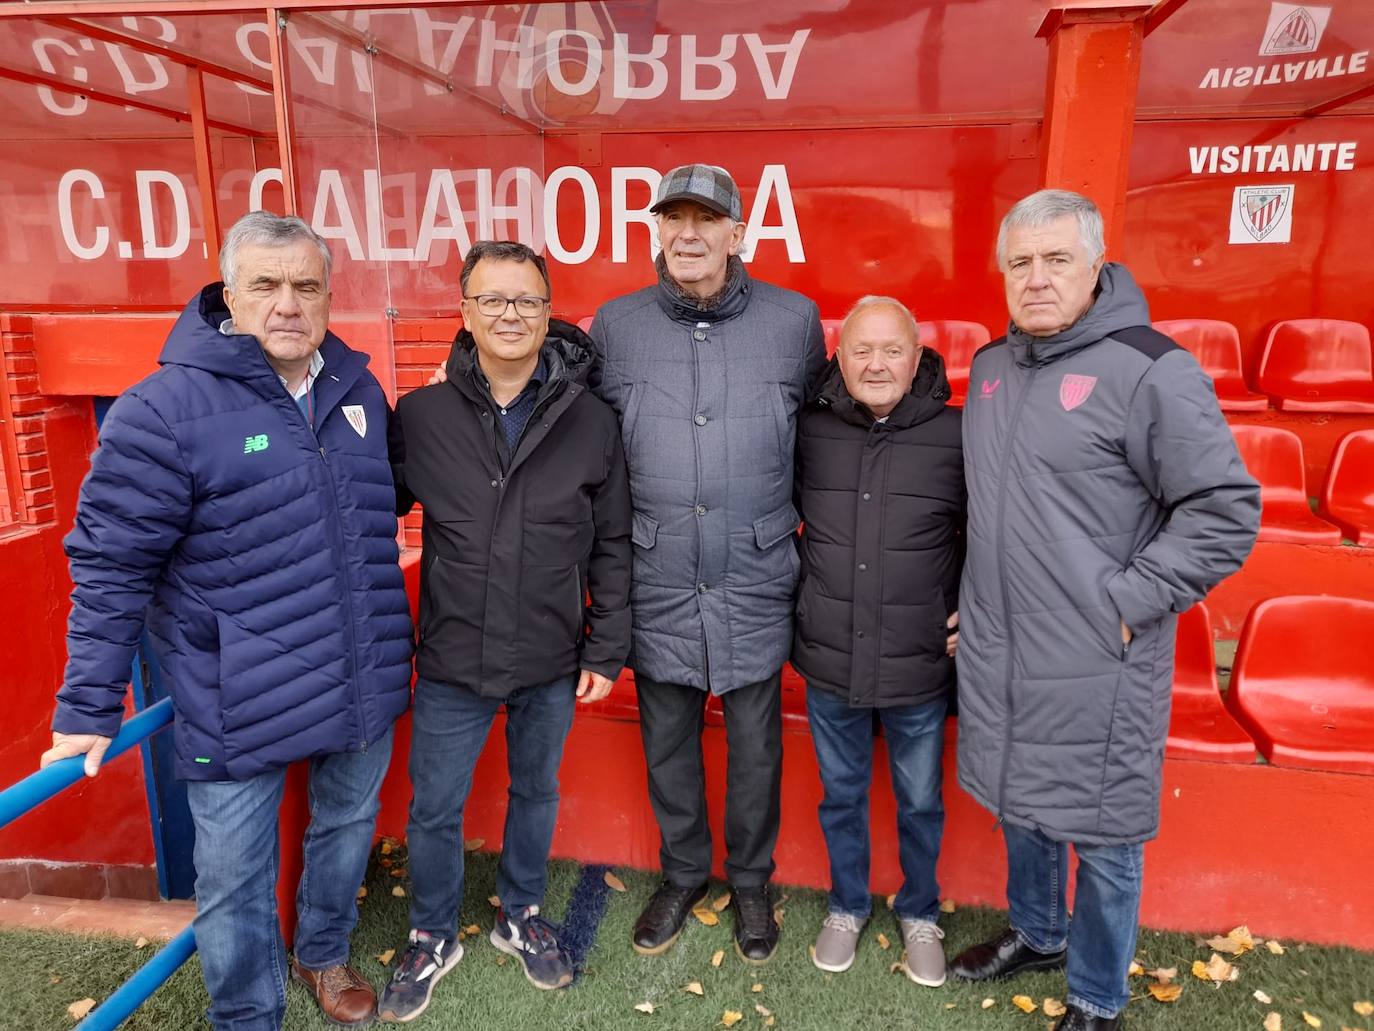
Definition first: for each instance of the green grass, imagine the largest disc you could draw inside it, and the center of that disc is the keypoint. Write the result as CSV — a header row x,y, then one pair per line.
x,y
485,992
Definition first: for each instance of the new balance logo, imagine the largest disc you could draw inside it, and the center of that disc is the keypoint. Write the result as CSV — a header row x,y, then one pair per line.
x,y
257,443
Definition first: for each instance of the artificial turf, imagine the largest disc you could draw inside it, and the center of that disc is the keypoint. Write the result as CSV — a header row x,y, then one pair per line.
x,y
45,972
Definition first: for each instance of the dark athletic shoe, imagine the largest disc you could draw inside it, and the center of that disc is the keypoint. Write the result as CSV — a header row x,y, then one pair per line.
x,y
425,961
531,939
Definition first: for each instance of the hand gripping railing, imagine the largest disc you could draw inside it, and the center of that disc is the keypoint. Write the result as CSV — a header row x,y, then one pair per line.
x,y
37,788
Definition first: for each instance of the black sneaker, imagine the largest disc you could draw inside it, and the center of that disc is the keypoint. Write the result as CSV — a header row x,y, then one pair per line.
x,y
530,938
756,929
660,924
426,960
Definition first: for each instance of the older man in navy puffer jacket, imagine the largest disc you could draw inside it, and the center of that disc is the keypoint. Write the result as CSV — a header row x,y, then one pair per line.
x,y
241,500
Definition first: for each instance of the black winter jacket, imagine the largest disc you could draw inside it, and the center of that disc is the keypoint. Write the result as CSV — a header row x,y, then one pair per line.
x,y
882,546
509,557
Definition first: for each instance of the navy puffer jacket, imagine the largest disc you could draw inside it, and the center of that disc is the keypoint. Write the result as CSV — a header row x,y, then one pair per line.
x,y
262,552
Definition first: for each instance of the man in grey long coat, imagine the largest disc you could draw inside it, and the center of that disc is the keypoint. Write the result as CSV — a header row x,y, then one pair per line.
x,y
1105,496
707,370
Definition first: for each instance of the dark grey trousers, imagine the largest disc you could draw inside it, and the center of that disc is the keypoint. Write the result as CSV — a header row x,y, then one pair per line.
x,y
671,719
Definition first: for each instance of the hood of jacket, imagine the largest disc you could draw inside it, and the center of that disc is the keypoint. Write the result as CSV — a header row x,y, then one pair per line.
x,y
1119,305
196,342
927,397
567,351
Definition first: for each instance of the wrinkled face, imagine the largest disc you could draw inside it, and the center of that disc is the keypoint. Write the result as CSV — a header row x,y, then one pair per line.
x,y
1049,276
280,297
510,336
697,242
878,358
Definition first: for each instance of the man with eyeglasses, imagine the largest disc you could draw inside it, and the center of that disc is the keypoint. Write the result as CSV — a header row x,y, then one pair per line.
x,y
526,513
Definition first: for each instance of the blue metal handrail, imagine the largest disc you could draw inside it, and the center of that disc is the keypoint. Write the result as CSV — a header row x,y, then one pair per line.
x,y
37,788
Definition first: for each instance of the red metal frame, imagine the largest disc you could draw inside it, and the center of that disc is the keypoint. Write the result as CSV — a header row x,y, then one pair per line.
x,y
281,102
120,100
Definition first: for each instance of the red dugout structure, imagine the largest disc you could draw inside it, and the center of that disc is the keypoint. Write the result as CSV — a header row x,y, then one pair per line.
x,y
877,145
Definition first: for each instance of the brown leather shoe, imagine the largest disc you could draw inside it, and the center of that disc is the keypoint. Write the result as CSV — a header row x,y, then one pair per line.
x,y
344,995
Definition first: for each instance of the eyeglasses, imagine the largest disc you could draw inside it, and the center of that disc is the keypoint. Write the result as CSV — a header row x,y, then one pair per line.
x,y
494,305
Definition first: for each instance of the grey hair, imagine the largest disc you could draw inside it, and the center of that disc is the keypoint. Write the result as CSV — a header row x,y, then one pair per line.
x,y
876,301
1046,206
264,229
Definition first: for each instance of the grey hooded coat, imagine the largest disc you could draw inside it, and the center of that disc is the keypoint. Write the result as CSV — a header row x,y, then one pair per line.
x,y
708,405
1104,487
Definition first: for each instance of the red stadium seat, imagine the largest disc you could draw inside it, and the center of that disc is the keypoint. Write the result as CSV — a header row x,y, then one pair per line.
x,y
831,329
957,343
1348,496
1216,346
1199,725
1274,457
1303,683
1318,365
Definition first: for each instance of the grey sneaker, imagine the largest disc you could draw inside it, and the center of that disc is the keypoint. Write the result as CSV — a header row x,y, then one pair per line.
x,y
835,945
925,956
425,961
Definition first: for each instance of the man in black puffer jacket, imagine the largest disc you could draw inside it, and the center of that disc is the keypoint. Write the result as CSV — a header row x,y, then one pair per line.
x,y
881,486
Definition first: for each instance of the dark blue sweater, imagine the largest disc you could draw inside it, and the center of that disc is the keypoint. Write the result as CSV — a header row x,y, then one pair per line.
x,y
262,553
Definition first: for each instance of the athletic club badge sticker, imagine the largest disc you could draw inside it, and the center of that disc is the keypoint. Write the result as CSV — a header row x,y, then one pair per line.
x,y
1262,214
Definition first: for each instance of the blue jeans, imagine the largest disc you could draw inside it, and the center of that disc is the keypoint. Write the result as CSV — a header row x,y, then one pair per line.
x,y
1101,937
237,933
843,736
450,726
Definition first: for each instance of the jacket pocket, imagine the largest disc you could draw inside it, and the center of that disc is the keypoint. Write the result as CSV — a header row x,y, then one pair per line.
x,y
776,526
643,530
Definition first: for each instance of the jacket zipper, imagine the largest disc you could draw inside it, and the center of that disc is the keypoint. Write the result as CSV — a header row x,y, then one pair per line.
x,y
1006,594
343,572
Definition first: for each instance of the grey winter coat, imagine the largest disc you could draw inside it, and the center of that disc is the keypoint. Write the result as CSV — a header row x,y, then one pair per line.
x,y
708,405
1104,487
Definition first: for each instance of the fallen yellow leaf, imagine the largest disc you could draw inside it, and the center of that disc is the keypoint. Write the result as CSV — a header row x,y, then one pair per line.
x,y
473,844
769,1020
78,1010
695,988
950,1005
717,957
706,916
387,846
1262,997
494,901
883,942
613,882
1274,947
1053,1008
1163,974
1200,970
1135,969
500,961
891,901
1364,1008
947,906
720,902
897,968
1024,1003
472,929
398,892
1227,945
398,871
1215,969
362,893
989,1003
1166,992
762,1011
1242,937
1273,1022
645,1007
1311,1020
731,1017
777,915
141,943
757,988
386,957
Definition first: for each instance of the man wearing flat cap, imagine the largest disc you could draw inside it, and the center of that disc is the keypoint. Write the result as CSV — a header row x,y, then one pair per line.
x,y
706,370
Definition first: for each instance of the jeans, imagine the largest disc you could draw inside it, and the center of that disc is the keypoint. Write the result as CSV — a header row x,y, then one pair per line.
x,y
1101,937
671,719
449,728
843,736
237,933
